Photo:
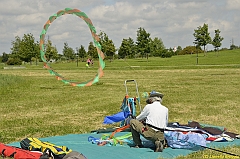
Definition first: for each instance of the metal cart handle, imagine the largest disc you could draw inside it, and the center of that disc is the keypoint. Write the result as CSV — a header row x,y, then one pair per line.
x,y
137,93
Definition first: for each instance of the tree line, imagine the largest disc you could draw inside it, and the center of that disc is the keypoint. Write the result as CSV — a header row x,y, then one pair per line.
x,y
26,49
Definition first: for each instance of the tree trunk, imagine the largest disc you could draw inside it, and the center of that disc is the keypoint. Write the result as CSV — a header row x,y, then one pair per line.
x,y
204,50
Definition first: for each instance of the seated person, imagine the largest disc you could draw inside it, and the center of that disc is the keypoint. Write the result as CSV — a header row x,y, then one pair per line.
x,y
151,122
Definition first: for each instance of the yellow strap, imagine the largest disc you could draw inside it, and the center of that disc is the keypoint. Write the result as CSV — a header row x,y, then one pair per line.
x,y
36,143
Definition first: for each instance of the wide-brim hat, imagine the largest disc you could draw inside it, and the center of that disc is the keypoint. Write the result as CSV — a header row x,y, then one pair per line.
x,y
156,94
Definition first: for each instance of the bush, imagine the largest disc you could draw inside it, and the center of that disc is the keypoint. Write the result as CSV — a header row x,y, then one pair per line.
x,y
14,61
166,53
190,50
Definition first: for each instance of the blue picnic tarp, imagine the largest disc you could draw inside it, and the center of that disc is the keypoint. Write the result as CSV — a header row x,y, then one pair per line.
x,y
80,143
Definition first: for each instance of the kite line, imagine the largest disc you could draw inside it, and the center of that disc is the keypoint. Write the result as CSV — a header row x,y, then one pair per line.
x,y
96,40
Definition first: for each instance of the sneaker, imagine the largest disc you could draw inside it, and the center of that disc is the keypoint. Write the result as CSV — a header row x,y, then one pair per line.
x,y
139,146
159,146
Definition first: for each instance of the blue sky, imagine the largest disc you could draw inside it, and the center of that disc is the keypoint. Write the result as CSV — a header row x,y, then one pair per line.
x,y
173,21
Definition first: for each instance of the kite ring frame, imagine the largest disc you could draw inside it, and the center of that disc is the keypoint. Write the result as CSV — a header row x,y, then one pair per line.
x,y
96,40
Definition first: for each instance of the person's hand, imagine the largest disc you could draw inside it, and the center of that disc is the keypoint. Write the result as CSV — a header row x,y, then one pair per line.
x,y
133,117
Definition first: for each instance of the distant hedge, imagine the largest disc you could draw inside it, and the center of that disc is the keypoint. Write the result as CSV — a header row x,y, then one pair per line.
x,y
14,61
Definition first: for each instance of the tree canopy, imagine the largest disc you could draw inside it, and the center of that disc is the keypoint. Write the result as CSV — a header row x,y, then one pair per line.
x,y
92,51
68,52
143,41
157,47
81,52
51,52
108,47
127,48
217,40
27,49
202,36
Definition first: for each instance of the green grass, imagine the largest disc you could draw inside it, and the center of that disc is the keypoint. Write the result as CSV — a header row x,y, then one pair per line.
x,y
34,104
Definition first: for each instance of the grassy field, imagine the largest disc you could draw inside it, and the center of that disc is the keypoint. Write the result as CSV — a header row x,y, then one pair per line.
x,y
34,104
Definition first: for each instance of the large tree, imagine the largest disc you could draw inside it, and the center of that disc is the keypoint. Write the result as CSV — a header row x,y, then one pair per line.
x,y
156,47
25,48
92,51
51,52
4,57
143,41
217,40
15,47
68,52
202,36
123,49
127,48
108,47
177,50
81,52
132,46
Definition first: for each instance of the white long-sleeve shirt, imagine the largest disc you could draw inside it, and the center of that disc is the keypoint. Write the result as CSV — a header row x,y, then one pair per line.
x,y
155,114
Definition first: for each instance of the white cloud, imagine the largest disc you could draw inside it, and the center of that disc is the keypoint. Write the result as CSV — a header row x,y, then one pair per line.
x,y
233,4
173,21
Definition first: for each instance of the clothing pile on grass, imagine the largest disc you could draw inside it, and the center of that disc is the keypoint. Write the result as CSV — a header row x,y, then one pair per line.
x,y
177,136
196,134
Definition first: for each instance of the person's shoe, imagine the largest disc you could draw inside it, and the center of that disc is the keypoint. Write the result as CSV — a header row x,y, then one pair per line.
x,y
159,146
139,146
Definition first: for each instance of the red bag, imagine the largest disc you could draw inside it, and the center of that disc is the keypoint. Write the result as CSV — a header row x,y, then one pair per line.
x,y
18,153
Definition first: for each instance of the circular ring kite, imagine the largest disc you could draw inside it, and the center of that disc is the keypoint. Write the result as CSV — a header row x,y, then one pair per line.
x,y
95,37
